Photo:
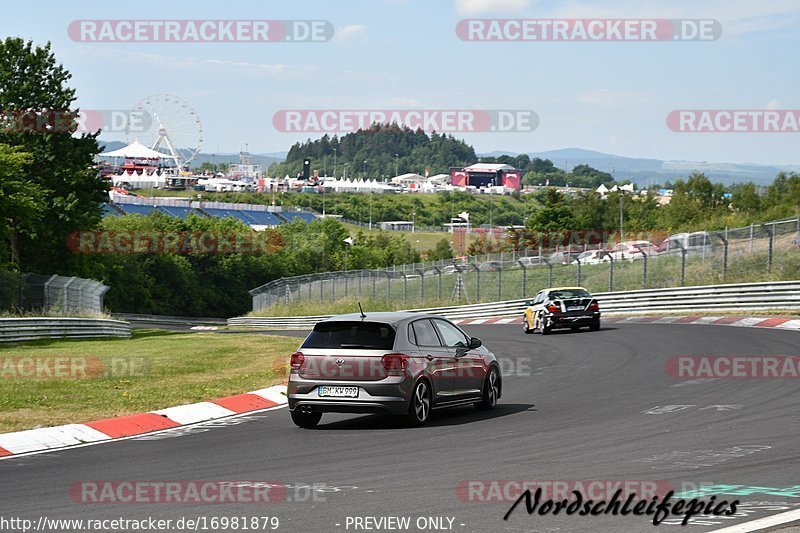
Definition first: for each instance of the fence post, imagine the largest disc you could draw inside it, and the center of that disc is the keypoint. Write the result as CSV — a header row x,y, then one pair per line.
x,y
421,284
771,232
549,271
320,289
388,286
360,275
524,277
724,257
333,287
477,282
346,276
374,275
439,272
683,265
610,274
499,283
751,238
578,265
405,286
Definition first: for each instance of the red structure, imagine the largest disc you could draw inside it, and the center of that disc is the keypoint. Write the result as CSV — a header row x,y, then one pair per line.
x,y
486,175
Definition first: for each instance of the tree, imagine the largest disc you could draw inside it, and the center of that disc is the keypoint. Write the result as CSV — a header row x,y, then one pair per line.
x,y
21,205
60,171
443,250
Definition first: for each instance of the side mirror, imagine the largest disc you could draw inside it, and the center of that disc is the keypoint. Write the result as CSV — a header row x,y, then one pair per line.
x,y
474,342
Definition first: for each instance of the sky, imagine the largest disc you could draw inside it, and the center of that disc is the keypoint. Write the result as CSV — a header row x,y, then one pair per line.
x,y
401,54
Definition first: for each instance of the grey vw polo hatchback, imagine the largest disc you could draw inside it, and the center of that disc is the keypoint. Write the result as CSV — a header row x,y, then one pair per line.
x,y
400,363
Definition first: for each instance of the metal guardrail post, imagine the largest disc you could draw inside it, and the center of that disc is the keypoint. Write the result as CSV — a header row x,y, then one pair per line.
x,y
524,277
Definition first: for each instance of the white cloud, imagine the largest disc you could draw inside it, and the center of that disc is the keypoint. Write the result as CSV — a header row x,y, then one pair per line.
x,y
736,16
477,7
350,32
774,104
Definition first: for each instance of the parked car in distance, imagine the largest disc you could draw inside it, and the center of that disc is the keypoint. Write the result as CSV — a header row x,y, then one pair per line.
x,y
488,266
563,307
593,257
401,363
632,250
530,261
699,242
564,257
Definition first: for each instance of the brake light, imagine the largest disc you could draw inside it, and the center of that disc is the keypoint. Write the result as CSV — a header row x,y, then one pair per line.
x,y
297,360
594,306
395,363
553,308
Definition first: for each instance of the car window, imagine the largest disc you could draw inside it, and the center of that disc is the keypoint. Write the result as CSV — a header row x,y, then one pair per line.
x,y
424,334
451,335
569,293
345,334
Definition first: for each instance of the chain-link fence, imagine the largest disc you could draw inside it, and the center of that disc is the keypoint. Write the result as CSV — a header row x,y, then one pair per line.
x,y
761,252
50,294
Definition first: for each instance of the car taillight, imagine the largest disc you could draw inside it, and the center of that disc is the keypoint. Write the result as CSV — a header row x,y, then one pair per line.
x,y
395,363
297,360
594,306
553,308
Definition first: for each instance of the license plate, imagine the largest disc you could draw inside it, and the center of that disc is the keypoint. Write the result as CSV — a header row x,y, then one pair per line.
x,y
575,308
338,392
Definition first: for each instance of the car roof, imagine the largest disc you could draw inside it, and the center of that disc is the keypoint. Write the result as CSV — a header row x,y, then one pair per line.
x,y
566,289
393,317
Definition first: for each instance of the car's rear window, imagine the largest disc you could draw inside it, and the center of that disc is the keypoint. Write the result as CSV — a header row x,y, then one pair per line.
x,y
355,335
569,293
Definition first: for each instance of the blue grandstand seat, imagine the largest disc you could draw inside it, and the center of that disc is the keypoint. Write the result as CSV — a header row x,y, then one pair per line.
x,y
233,213
109,211
133,209
179,212
263,218
292,215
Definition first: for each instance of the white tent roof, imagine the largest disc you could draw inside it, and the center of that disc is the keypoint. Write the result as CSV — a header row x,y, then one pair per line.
x,y
135,150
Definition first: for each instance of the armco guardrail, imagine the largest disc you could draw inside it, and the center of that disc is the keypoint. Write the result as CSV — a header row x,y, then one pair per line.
x,y
163,319
30,329
779,295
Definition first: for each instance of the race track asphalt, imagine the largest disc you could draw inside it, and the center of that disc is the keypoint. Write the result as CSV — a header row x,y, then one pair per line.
x,y
575,407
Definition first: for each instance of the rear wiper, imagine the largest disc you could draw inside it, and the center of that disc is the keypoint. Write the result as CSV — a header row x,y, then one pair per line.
x,y
364,346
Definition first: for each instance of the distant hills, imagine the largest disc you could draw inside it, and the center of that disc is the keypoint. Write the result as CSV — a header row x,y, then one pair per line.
x,y
265,160
641,171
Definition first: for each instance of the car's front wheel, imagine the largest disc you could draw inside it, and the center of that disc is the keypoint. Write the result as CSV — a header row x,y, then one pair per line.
x,y
526,325
306,420
491,391
419,409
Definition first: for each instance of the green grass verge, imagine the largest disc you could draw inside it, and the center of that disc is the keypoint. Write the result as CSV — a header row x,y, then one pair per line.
x,y
174,369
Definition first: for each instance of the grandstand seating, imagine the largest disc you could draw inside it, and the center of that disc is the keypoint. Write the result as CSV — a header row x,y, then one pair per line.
x,y
251,218
133,209
179,212
292,215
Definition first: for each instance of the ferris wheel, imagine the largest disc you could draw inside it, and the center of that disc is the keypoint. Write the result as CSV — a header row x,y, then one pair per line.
x,y
173,128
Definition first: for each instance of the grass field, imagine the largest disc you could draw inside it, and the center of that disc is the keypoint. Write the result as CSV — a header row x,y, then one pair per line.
x,y
168,369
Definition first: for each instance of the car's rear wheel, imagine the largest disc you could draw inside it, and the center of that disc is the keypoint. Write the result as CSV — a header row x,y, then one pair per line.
x,y
419,410
595,326
306,420
544,329
491,391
